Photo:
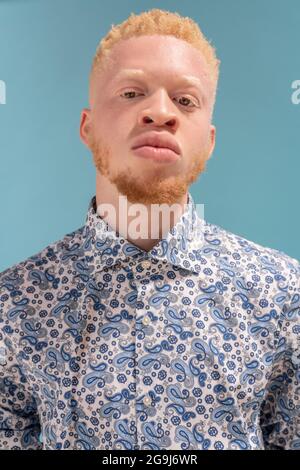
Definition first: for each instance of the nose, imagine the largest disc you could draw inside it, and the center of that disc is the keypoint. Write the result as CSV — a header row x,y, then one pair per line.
x,y
159,110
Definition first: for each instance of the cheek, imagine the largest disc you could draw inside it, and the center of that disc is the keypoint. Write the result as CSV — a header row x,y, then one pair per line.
x,y
112,128
196,141
204,135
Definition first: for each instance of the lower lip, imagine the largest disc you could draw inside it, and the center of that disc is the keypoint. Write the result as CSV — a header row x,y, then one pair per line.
x,y
159,154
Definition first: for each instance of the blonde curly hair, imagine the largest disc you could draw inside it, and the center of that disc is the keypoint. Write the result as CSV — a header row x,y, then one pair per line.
x,y
163,22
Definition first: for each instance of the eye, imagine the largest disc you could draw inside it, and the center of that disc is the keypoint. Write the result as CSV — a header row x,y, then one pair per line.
x,y
126,92
194,105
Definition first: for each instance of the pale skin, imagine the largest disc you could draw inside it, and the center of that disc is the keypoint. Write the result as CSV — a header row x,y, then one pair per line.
x,y
156,102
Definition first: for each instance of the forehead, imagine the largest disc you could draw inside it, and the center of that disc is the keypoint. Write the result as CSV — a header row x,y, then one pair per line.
x,y
157,56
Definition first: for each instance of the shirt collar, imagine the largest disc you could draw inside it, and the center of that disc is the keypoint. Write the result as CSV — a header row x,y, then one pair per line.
x,y
180,247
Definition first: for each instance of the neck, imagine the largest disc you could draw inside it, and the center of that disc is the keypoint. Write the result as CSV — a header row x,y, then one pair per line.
x,y
142,225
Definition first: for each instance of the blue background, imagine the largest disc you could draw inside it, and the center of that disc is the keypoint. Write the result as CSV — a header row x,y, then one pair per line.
x,y
251,186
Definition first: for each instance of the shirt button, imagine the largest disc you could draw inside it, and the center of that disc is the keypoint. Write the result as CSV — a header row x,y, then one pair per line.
x,y
147,400
146,321
146,264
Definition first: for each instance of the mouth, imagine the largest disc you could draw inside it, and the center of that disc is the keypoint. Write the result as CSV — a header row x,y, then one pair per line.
x,y
157,154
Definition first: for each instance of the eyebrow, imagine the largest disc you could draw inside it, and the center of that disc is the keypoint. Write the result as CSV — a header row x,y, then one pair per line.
x,y
188,80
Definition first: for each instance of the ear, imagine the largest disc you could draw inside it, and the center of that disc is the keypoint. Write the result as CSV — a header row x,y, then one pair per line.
x,y
85,126
212,136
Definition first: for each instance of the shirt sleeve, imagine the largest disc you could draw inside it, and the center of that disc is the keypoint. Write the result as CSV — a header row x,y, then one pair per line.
x,y
280,413
19,420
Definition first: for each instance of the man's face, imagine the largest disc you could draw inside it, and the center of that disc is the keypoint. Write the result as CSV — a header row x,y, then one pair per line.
x,y
124,108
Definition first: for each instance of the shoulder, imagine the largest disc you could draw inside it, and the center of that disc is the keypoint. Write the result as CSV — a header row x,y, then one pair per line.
x,y
262,277
40,272
249,255
260,282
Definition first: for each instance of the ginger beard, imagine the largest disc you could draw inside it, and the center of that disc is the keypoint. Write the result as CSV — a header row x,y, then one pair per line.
x,y
163,189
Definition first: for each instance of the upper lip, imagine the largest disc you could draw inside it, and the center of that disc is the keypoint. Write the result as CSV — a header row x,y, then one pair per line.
x,y
157,139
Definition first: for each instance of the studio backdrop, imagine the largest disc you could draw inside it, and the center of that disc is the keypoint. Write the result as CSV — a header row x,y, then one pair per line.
x,y
251,183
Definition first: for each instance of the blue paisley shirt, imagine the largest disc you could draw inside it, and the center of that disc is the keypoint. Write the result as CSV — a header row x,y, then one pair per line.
x,y
191,345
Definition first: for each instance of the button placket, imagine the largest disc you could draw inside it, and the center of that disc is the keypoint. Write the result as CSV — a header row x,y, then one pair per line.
x,y
146,320
146,264
147,400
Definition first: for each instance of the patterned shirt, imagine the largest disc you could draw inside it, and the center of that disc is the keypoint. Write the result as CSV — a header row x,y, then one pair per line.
x,y
191,345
